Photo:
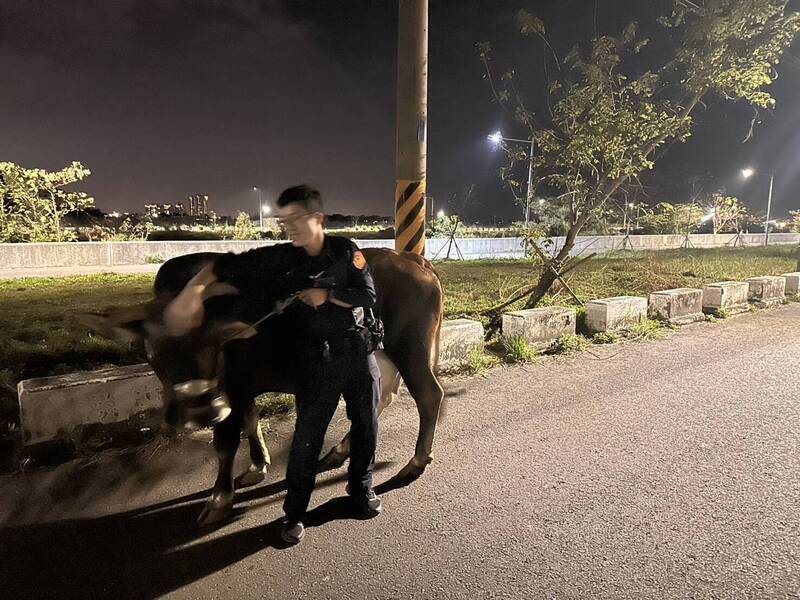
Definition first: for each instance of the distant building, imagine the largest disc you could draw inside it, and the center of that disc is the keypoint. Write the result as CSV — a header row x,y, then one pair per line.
x,y
198,205
165,210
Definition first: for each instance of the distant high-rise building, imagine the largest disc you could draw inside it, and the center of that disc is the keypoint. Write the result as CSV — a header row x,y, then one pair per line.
x,y
198,205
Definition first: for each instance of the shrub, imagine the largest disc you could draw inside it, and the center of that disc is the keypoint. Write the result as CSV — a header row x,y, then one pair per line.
x,y
605,337
648,330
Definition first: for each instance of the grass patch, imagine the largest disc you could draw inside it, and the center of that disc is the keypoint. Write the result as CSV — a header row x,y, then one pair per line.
x,y
569,344
478,361
517,350
274,404
649,329
605,337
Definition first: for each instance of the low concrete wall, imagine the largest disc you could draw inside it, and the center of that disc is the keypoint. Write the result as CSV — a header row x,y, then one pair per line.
x,y
792,284
766,291
27,256
540,327
679,306
727,296
615,314
459,338
55,408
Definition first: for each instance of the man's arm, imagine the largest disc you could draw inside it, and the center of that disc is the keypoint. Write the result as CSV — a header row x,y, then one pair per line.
x,y
360,288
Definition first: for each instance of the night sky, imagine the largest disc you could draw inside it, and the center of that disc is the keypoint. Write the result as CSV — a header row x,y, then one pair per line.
x,y
166,98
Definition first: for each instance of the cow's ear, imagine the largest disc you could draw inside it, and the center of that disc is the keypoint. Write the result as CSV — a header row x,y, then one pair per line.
x,y
234,330
125,323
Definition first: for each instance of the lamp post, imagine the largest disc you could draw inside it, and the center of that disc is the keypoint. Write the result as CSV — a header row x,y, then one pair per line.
x,y
260,207
497,138
747,174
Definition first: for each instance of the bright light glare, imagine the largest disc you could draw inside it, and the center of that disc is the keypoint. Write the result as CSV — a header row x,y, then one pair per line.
x,y
266,209
496,138
255,189
541,200
440,214
748,172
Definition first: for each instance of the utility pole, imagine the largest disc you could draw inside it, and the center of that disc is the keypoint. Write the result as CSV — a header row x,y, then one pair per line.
x,y
769,207
412,125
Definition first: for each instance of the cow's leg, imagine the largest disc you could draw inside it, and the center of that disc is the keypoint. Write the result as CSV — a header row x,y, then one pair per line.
x,y
226,442
259,455
428,394
390,384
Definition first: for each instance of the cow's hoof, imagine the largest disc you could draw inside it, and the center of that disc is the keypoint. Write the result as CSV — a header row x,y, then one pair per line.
x,y
254,476
332,460
218,508
414,469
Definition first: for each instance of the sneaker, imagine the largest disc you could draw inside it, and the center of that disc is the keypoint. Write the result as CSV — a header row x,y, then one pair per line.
x,y
367,503
292,531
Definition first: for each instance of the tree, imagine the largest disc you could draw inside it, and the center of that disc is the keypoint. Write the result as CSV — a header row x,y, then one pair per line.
x,y
606,120
728,212
243,228
33,202
794,221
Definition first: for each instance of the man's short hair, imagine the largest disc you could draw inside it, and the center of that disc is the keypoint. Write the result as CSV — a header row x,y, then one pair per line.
x,y
306,195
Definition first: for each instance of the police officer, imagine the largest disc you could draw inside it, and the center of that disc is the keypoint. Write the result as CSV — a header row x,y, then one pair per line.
x,y
333,356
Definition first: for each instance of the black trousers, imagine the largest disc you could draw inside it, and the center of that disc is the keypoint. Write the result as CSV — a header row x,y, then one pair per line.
x,y
355,375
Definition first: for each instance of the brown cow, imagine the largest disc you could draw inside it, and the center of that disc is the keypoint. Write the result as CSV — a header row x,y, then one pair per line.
x,y
219,367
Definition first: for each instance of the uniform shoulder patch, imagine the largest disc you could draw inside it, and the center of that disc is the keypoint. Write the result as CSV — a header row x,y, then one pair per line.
x,y
359,262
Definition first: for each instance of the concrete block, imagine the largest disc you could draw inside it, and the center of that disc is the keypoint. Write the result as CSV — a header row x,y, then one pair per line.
x,y
58,408
540,327
730,296
458,338
792,284
766,291
615,314
677,307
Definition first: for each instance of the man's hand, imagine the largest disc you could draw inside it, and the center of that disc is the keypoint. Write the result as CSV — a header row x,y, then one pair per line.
x,y
314,297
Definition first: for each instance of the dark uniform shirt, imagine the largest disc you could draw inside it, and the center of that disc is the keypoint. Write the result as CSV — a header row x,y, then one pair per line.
x,y
275,272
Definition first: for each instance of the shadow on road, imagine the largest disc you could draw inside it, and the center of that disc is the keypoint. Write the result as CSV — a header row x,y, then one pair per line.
x,y
145,552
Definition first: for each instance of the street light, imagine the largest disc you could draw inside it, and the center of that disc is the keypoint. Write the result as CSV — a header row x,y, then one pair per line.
x,y
260,207
747,174
440,214
497,138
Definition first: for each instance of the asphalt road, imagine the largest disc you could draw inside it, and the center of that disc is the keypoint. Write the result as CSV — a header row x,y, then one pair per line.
x,y
665,469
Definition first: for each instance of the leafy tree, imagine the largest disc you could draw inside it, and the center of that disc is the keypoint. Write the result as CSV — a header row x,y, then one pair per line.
x,y
606,119
794,221
728,212
243,228
33,202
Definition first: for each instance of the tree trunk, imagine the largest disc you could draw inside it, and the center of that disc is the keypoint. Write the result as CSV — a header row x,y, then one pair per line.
x,y
546,280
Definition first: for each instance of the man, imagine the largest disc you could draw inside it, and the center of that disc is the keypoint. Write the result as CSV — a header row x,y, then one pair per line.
x,y
333,356
331,279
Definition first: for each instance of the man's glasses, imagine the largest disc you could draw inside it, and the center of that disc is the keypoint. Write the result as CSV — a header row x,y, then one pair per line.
x,y
287,221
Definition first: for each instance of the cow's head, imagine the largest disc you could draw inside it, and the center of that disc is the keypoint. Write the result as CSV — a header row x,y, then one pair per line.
x,y
189,363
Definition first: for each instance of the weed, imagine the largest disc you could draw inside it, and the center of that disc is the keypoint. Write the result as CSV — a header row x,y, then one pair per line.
x,y
517,350
153,259
649,329
568,344
723,313
478,361
752,308
605,337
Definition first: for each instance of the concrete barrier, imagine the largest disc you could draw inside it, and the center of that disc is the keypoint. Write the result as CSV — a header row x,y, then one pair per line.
x,y
540,327
792,284
459,338
766,291
677,307
58,408
615,314
30,256
727,296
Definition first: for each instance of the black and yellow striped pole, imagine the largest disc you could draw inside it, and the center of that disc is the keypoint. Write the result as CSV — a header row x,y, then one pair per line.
x,y
412,125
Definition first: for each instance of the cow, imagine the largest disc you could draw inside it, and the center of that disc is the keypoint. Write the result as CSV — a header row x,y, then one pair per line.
x,y
219,367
